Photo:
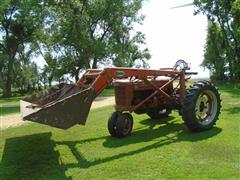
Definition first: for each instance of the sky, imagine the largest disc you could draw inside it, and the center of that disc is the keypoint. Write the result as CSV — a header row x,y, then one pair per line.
x,y
173,34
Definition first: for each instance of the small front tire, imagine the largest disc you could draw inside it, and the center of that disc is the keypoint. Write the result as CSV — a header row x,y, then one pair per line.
x,y
124,125
112,121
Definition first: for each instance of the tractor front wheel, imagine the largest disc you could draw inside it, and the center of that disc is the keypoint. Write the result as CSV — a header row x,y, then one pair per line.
x,y
120,124
112,123
201,106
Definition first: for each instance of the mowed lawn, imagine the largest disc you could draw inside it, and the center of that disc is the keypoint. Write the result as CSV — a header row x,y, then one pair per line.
x,y
9,105
157,149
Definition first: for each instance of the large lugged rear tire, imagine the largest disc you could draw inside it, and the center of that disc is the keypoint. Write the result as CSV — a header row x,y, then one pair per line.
x,y
201,106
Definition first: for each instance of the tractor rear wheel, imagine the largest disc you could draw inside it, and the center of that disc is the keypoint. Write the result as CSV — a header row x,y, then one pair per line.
x,y
201,106
124,125
157,114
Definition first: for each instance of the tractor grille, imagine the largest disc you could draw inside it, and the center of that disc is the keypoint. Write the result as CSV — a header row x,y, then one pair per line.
x,y
120,95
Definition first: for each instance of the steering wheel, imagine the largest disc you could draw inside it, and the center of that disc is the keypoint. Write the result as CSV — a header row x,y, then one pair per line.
x,y
181,65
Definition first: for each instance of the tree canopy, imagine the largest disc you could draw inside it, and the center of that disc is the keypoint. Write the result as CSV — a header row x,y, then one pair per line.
x,y
70,36
222,50
18,22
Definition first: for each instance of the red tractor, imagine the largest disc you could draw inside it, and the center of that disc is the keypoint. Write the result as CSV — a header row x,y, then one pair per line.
x,y
154,92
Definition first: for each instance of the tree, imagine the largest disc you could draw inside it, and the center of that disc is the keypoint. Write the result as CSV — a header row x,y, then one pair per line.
x,y
71,36
18,22
226,15
87,33
214,55
26,77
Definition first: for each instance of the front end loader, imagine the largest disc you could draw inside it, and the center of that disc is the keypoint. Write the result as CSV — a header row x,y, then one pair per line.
x,y
143,91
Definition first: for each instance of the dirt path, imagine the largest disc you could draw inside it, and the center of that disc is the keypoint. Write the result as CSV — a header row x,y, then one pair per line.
x,y
15,119
103,101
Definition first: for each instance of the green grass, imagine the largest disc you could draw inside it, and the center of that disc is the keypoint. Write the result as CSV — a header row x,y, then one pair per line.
x,y
162,149
9,105
107,92
9,109
10,100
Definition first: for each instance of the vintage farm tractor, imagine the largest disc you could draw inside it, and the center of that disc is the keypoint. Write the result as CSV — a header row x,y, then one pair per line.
x,y
154,92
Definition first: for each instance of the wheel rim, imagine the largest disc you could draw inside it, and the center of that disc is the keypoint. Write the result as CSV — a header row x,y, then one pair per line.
x,y
162,111
127,125
206,107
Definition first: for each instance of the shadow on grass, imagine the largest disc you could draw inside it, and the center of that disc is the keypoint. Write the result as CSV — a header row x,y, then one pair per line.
x,y
141,135
233,110
31,157
230,88
6,110
153,122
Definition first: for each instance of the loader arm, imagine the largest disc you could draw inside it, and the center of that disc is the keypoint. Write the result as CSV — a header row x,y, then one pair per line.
x,y
99,80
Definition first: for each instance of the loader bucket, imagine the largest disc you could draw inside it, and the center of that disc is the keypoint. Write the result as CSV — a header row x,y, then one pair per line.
x,y
61,107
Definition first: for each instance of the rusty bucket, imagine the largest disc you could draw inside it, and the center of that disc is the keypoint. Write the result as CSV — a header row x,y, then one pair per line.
x,y
62,106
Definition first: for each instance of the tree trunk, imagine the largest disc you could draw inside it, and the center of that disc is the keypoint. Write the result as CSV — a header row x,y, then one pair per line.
x,y
50,82
94,65
76,75
7,90
230,69
238,63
